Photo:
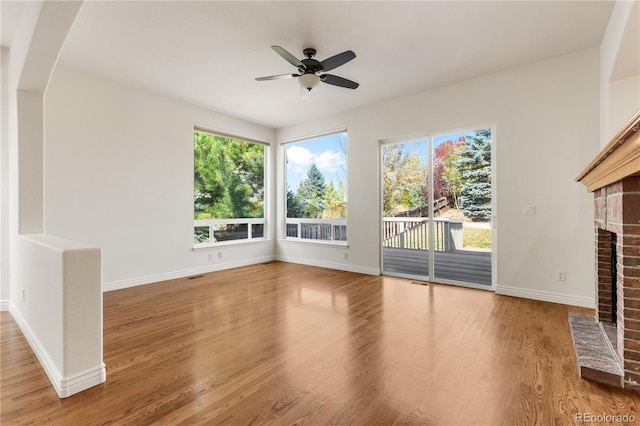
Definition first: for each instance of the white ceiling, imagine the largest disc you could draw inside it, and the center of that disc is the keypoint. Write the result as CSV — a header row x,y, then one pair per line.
x,y
208,53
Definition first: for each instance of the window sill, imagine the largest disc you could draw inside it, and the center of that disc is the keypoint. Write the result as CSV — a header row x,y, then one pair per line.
x,y
209,246
341,244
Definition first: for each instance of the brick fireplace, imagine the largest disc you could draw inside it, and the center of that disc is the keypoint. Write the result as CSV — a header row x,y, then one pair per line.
x,y
608,346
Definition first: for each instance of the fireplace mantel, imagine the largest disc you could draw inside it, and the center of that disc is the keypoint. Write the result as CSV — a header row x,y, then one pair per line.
x,y
608,346
618,160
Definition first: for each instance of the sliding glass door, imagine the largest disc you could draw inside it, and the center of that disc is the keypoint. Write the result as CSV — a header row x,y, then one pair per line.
x,y
405,171
437,204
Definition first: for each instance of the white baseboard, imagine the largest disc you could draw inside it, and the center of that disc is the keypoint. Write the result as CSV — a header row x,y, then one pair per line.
x,y
329,265
149,279
80,381
545,296
503,290
4,305
64,386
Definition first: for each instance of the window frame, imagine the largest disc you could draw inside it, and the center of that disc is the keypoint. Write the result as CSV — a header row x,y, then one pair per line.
x,y
210,223
289,221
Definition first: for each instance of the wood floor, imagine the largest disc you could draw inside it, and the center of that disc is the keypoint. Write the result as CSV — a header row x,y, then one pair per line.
x,y
284,344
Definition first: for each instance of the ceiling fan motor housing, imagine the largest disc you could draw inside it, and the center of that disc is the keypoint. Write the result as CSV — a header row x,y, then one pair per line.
x,y
312,66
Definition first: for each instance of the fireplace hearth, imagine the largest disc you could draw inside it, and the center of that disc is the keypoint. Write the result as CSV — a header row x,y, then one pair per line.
x,y
613,264
608,346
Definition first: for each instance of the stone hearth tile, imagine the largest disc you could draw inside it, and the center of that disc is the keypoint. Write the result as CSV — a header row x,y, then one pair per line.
x,y
594,355
612,333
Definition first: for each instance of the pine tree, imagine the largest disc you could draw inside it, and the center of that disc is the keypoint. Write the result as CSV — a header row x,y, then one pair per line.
x,y
474,164
294,207
311,192
228,178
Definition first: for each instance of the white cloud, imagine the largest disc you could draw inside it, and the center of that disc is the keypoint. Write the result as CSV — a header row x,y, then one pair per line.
x,y
329,162
299,158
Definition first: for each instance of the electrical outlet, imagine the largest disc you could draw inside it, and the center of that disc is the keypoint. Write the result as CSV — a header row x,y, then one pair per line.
x,y
219,255
344,255
211,256
529,210
561,276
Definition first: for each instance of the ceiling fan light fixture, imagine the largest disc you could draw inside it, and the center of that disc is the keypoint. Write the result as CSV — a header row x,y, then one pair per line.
x,y
309,81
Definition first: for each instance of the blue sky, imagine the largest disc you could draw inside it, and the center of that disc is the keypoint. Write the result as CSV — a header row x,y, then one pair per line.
x,y
422,146
327,152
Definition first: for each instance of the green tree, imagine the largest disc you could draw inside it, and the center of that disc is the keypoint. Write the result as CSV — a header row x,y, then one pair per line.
x,y
404,177
228,178
295,208
311,192
474,163
334,201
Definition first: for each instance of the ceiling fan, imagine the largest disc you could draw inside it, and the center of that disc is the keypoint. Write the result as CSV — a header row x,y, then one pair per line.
x,y
309,69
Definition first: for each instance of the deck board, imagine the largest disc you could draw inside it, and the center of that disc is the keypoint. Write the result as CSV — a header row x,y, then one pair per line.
x,y
459,265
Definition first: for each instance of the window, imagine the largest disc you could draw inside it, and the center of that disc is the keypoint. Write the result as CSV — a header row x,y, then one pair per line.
x,y
228,190
316,185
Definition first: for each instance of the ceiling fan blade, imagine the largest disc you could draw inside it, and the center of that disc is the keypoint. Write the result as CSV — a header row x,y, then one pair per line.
x,y
277,77
337,60
288,57
338,81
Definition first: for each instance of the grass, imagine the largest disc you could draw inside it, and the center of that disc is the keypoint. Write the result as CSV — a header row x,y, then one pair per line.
x,y
477,237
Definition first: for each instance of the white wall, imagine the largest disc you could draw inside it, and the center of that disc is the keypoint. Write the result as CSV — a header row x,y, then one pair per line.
x,y
624,101
4,180
119,175
60,309
547,121
619,69
55,292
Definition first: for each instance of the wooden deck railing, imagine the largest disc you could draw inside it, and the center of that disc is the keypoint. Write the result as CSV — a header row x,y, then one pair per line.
x,y
211,231
317,229
398,232
441,204
413,233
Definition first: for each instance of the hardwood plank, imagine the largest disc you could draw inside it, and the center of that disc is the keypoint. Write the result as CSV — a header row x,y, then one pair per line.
x,y
282,343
